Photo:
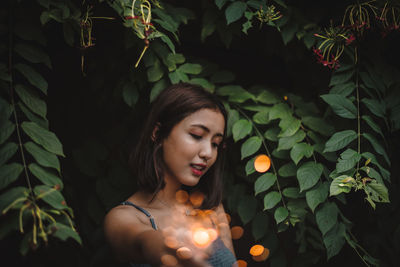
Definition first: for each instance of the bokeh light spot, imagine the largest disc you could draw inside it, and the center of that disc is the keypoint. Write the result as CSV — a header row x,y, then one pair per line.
x,y
241,263
262,163
184,253
196,198
182,196
201,238
256,250
169,260
263,256
237,232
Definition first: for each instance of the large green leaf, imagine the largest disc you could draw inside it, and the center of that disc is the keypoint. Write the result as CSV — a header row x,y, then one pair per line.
x,y
247,208
342,106
272,134
130,94
289,127
348,159
51,196
203,83
43,137
377,146
291,192
155,72
341,184
317,195
43,157
301,150
377,191
7,151
8,197
271,199
259,225
157,88
335,239
9,173
341,77
6,130
64,232
308,174
318,125
376,107
372,124
31,100
266,97
280,214
190,68
250,146
326,217
32,76
343,89
241,129
233,116
287,170
339,140
249,168
261,117
42,122
45,176
286,143
32,53
5,110
222,76
235,11
264,182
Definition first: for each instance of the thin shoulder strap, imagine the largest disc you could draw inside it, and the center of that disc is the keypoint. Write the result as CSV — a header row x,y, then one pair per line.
x,y
153,224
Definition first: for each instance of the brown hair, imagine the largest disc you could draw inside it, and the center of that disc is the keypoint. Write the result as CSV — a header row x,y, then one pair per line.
x,y
171,106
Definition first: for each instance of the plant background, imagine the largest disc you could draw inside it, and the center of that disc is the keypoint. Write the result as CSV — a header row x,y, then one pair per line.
x,y
96,109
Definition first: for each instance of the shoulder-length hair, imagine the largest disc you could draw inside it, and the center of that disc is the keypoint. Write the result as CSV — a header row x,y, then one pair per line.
x,y
171,106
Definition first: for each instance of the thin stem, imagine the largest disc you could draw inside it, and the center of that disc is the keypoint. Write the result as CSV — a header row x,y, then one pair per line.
x,y
266,149
10,64
358,120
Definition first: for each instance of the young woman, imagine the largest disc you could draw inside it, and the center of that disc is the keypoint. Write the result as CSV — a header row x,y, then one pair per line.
x,y
176,218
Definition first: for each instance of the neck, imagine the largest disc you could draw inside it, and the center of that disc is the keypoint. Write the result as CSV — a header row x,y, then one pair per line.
x,y
167,195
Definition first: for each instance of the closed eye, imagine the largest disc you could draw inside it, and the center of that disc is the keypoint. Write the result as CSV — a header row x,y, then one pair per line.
x,y
195,136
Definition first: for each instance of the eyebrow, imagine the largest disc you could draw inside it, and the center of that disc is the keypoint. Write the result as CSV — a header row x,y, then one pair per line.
x,y
206,129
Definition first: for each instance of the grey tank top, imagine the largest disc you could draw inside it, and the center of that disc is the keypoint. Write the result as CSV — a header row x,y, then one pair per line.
x,y
221,256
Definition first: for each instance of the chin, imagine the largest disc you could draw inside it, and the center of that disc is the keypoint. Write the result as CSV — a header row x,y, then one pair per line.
x,y
191,182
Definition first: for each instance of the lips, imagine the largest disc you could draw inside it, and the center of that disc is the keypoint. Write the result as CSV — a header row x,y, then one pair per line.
x,y
198,169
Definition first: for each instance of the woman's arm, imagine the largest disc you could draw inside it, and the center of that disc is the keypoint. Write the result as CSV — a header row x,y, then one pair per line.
x,y
225,232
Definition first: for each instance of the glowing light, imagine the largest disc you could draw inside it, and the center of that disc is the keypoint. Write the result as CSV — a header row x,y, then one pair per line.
x,y
262,163
237,232
212,233
184,253
263,256
196,198
256,250
171,242
169,260
241,263
182,196
201,237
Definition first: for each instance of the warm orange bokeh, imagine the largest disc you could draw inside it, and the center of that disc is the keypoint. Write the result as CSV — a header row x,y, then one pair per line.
x,y
182,196
241,263
263,256
171,242
201,237
237,232
256,250
184,253
169,260
196,198
262,163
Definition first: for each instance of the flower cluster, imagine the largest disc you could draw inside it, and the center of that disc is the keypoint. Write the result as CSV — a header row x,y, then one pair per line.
x,y
333,63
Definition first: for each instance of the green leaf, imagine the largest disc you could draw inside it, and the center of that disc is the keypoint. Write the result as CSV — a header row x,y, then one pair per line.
x,y
5,110
32,53
130,94
308,174
155,72
7,151
8,197
288,142
372,124
288,32
51,196
271,199
32,76
287,170
190,68
341,184
341,77
45,176
31,100
377,146
241,129
250,146
64,232
43,137
236,93
343,89
335,239
220,3
280,111
9,173
178,76
291,192
289,128
222,76
318,125
235,11
42,156
377,191
267,97
249,168
247,208
157,88
259,225
233,116
42,122
342,106
317,195
272,134
264,182
348,159
6,130
376,107
301,150
168,42
29,32
261,118
326,217
340,140
280,214
203,83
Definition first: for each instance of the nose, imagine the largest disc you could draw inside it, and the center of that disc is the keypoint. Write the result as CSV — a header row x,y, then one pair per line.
x,y
206,151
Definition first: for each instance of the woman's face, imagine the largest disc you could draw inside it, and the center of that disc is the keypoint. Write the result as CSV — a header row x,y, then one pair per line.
x,y
192,146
